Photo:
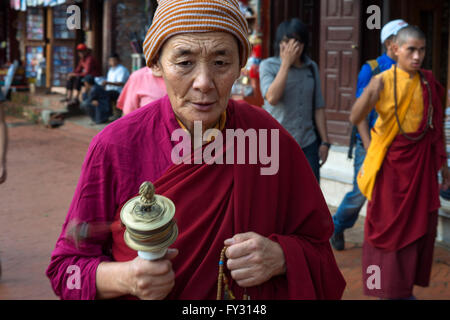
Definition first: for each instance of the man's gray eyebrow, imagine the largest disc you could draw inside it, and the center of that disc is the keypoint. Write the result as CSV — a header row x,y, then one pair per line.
x,y
413,47
183,52
221,52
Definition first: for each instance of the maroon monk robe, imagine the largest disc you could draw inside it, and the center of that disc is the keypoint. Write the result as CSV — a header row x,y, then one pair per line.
x,y
215,202
404,204
288,207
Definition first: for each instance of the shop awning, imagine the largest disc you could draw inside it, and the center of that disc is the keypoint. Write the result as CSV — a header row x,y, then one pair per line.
x,y
24,4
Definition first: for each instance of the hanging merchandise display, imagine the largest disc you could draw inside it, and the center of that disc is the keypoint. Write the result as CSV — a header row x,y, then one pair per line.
x,y
256,56
244,86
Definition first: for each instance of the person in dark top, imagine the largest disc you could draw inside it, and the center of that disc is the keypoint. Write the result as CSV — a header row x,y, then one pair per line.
x,y
95,101
290,85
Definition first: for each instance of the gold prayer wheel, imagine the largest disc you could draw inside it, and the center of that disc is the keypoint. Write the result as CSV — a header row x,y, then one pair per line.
x,y
150,227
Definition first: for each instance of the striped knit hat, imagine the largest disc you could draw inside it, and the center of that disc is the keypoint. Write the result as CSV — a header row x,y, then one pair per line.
x,y
174,17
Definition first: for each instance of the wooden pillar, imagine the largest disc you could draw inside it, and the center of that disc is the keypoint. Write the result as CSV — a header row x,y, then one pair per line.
x,y
95,29
265,28
108,31
13,44
48,49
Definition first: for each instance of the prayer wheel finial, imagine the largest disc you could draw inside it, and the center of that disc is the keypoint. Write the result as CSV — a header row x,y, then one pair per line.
x,y
147,192
150,227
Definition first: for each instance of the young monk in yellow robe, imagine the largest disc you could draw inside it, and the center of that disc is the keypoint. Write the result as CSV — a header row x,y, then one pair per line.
x,y
399,174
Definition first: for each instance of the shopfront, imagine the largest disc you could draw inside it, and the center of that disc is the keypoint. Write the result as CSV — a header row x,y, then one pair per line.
x,y
38,36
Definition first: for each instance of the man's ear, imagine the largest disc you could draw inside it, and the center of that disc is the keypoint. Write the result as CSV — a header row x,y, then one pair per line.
x,y
395,47
156,69
238,75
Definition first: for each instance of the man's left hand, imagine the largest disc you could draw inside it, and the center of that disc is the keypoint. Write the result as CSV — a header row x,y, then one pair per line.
x,y
445,173
254,259
323,154
95,103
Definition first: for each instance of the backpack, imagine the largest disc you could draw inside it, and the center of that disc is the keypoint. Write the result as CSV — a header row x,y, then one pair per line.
x,y
375,67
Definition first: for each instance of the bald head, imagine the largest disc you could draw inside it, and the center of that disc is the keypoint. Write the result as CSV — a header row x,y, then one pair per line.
x,y
409,32
409,48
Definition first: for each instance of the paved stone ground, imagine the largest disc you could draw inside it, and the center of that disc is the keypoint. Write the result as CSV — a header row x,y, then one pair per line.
x,y
43,169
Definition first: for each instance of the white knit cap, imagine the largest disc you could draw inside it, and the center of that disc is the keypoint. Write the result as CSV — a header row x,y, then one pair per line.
x,y
174,17
391,28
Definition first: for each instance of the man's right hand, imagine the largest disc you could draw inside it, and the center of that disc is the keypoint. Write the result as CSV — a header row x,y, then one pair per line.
x,y
152,280
290,51
367,101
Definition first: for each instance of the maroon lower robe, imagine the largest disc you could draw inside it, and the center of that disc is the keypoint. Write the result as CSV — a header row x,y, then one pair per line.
x,y
215,202
401,219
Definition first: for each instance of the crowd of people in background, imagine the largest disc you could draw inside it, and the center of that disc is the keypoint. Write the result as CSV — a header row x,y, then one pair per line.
x,y
106,99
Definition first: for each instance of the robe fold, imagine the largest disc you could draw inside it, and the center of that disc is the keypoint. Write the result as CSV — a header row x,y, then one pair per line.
x,y
213,203
401,214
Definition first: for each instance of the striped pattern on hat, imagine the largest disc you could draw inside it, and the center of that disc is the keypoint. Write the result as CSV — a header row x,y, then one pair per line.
x,y
174,17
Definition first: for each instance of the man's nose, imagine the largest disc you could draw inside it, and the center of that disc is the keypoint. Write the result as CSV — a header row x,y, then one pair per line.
x,y
416,55
203,78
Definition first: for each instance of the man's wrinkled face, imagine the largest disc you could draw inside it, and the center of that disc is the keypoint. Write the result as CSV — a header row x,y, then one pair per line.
x,y
410,54
199,70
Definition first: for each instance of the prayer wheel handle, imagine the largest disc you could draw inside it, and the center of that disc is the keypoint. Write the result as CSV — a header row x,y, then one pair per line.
x,y
152,256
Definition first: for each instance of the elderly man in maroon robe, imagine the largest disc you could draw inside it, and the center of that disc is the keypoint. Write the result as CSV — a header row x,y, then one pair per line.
x,y
275,223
